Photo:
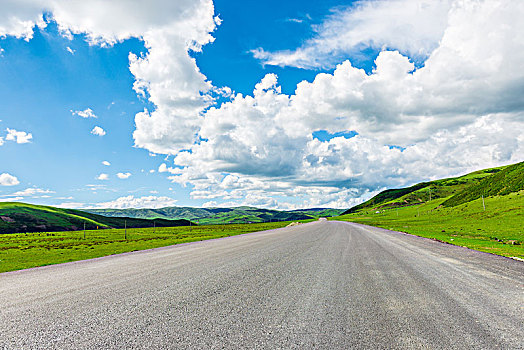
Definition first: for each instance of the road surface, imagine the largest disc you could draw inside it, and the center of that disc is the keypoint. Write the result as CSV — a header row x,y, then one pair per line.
x,y
323,285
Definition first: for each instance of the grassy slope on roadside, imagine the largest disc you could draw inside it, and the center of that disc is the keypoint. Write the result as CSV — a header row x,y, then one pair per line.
x,y
510,179
21,251
421,192
499,229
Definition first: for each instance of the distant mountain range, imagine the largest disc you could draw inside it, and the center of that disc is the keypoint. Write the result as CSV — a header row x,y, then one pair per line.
x,y
21,217
220,215
488,182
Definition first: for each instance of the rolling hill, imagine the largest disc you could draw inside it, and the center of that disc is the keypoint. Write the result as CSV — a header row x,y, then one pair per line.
x,y
508,180
22,217
487,182
220,215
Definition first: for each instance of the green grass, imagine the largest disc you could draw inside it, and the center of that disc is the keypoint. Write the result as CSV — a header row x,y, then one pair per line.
x,y
21,251
499,229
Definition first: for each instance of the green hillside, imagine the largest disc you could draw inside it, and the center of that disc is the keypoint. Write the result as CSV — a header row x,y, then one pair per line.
x,y
161,213
425,191
22,217
508,180
456,213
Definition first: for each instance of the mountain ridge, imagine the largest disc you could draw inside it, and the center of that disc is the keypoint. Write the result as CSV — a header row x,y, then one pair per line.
x,y
219,215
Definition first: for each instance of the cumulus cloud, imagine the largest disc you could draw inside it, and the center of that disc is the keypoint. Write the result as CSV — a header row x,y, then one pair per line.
x,y
98,131
123,175
413,27
18,21
106,163
167,75
31,191
460,110
86,113
128,202
102,177
8,180
18,136
163,168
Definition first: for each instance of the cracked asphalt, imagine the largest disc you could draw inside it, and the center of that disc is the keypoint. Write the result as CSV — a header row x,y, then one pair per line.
x,y
322,285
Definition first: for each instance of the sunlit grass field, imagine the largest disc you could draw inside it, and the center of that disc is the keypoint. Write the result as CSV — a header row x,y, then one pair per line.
x,y
21,251
498,229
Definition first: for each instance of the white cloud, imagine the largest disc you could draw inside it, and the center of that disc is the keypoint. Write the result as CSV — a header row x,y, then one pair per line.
x,y
414,27
138,202
98,131
1,141
8,180
462,110
18,136
101,177
163,168
106,163
123,175
86,113
167,75
72,205
294,20
18,20
31,191
72,52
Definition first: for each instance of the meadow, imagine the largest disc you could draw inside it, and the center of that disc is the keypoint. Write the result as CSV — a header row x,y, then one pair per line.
x,y
26,250
499,229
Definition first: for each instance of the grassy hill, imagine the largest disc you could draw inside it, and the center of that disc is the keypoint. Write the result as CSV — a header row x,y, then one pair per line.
x,y
22,217
221,215
161,213
456,213
508,180
444,188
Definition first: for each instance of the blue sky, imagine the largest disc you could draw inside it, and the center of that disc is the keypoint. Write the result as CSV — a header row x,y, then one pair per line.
x,y
273,104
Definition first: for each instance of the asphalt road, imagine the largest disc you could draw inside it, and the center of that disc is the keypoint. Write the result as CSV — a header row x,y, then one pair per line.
x,y
324,285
